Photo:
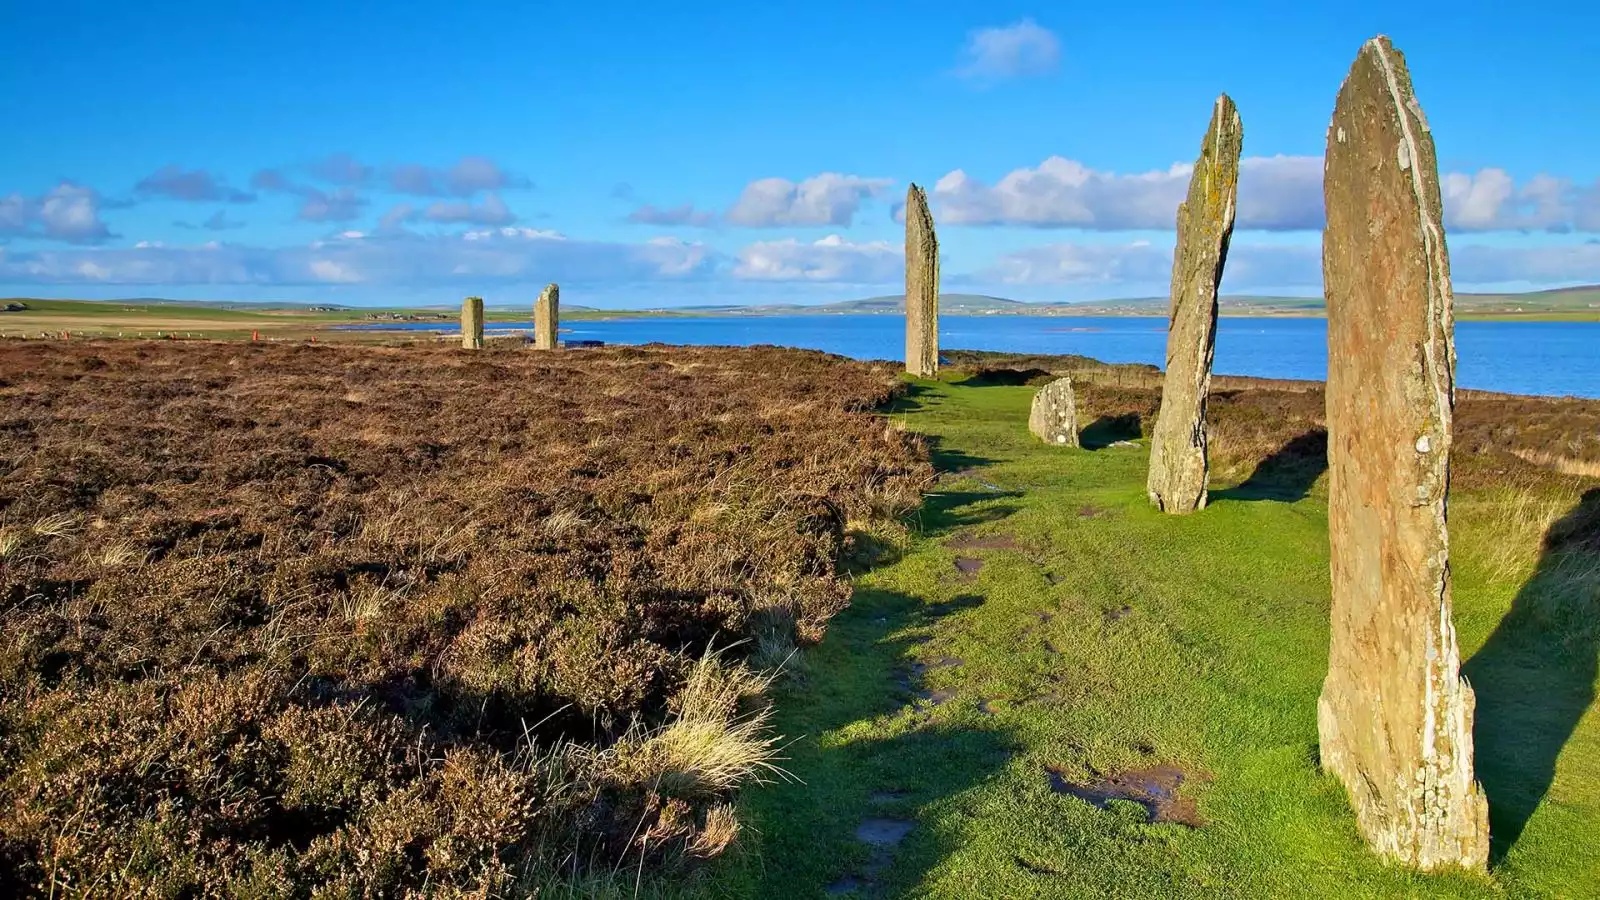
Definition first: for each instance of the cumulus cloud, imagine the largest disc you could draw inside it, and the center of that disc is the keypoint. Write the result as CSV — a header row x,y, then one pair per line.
x,y
1490,200
467,177
1276,193
826,199
67,212
192,186
684,214
830,259
1010,51
503,254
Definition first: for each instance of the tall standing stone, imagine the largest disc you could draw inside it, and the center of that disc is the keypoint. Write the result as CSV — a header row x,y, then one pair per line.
x,y
546,318
1178,464
1054,417
1395,718
922,287
472,323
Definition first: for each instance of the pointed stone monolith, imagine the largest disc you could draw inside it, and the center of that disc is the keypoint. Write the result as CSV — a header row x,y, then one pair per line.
x,y
1054,418
472,323
547,318
922,287
1178,464
1395,717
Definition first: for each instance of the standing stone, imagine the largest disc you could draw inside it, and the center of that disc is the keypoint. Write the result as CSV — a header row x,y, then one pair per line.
x,y
547,318
1395,718
922,287
1178,465
1054,418
472,323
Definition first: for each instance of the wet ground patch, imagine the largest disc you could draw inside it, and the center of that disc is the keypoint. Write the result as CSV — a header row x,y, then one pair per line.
x,y
1156,788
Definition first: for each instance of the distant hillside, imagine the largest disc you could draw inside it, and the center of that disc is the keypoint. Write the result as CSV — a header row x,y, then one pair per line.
x,y
1558,303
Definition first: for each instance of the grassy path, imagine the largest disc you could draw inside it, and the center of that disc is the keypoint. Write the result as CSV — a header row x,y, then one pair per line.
x,y
1044,627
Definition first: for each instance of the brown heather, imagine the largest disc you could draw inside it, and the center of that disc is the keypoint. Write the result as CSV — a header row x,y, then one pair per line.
x,y
321,621
1270,433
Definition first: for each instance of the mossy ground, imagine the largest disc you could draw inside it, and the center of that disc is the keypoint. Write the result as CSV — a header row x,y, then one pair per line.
x,y
1101,635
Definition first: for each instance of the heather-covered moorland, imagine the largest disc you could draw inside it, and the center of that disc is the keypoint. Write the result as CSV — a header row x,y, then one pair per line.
x,y
315,621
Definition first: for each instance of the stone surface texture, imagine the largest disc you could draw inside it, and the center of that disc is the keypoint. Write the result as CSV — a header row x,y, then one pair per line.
x,y
472,323
922,287
1395,717
1178,463
547,318
1054,418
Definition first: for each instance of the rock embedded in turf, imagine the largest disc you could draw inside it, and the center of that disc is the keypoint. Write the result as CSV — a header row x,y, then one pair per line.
x,y
547,318
922,287
1178,464
1395,718
472,323
1054,418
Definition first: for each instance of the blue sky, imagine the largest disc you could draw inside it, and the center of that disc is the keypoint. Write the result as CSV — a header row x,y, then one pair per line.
x,y
666,154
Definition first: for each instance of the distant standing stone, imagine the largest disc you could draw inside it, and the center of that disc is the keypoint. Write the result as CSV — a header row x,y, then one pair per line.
x,y
1178,464
472,323
922,287
1054,419
1395,718
547,318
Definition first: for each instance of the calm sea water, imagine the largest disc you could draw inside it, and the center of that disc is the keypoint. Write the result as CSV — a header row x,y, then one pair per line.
x,y
1517,357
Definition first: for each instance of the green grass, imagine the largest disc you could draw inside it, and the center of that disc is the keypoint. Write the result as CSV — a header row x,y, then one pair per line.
x,y
1215,667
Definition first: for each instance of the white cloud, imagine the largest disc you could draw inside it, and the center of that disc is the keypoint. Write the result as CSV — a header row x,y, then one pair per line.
x,y
1275,193
356,257
1011,51
67,212
1255,266
1076,264
826,199
830,259
1490,200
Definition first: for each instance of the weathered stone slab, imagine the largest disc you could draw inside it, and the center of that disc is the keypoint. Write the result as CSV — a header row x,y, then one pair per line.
x,y
1395,717
472,323
1054,418
547,318
1178,463
922,287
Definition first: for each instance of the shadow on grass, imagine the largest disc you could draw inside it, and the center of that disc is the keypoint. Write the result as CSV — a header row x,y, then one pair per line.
x,y
853,784
1535,675
848,780
1287,474
945,459
1107,430
911,399
1007,377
